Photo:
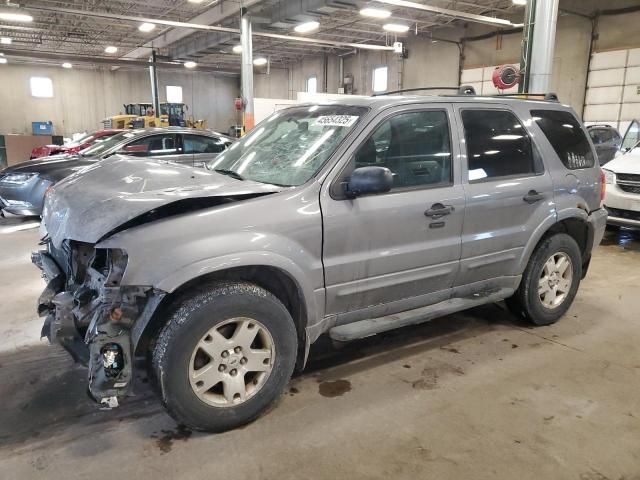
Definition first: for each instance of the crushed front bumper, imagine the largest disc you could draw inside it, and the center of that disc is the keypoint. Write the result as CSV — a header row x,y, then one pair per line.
x,y
93,318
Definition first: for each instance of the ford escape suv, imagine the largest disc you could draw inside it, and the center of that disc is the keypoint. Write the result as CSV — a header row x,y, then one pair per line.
x,y
347,218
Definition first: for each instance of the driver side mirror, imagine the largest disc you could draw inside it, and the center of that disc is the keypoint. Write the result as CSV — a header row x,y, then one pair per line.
x,y
368,180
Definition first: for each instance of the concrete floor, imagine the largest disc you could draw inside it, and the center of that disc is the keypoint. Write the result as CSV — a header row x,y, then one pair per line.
x,y
474,395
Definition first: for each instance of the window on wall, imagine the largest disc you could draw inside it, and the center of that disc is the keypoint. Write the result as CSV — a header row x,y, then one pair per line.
x,y
174,94
380,76
312,84
41,87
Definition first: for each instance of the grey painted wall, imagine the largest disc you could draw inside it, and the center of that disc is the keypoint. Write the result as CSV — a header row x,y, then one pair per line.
x,y
437,64
82,97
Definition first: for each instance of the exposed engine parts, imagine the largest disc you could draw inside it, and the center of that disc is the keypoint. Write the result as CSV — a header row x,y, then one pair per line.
x,y
90,315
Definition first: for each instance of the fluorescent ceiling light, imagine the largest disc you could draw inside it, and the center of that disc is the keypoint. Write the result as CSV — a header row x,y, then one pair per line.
x,y
3,60
190,64
196,1
237,49
375,13
111,49
260,61
6,41
519,2
15,15
396,28
307,27
67,65
146,27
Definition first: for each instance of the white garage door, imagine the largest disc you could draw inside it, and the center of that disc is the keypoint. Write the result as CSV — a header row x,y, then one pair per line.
x,y
613,88
480,79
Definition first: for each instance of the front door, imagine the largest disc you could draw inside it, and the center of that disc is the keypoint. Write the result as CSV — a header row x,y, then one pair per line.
x,y
508,193
398,249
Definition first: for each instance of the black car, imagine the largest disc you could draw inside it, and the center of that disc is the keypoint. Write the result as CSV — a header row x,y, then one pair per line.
x,y
607,141
23,186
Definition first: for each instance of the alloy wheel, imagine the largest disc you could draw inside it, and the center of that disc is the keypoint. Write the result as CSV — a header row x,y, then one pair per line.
x,y
231,362
555,281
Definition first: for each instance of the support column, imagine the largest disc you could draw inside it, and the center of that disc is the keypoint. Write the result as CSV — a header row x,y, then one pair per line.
x,y
155,98
540,64
527,42
246,73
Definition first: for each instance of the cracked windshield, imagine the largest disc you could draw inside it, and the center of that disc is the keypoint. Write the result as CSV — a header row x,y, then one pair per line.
x,y
289,147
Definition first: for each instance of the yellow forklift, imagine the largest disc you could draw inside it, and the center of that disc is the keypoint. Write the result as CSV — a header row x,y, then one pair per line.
x,y
137,115
141,115
177,116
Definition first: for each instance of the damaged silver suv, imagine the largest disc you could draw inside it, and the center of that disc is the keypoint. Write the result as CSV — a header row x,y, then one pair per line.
x,y
348,218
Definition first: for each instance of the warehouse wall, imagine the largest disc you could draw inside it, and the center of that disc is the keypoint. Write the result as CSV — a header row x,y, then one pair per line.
x,y
434,64
83,97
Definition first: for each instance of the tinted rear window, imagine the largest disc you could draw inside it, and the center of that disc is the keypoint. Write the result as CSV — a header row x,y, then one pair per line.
x,y
497,145
566,136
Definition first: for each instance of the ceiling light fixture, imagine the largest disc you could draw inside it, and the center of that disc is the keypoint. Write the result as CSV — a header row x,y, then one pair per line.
x,y
307,27
3,60
396,27
260,61
111,49
190,64
146,27
375,12
5,41
67,65
13,13
196,1
519,2
237,49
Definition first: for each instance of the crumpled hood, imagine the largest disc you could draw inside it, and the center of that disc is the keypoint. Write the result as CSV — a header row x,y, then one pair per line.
x,y
93,202
626,163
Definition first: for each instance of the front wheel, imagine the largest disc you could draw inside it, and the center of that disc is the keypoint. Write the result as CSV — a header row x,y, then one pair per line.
x,y
224,356
550,281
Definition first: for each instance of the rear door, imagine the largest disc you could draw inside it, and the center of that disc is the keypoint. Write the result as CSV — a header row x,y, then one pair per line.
x,y
400,249
508,192
632,136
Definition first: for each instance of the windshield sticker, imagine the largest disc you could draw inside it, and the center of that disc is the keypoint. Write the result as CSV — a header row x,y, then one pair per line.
x,y
336,121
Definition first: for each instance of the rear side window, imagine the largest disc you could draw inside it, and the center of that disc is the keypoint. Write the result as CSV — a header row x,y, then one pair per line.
x,y
195,144
566,137
497,145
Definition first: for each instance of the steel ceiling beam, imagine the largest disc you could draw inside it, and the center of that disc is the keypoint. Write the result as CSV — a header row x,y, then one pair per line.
x,y
471,17
210,28
94,60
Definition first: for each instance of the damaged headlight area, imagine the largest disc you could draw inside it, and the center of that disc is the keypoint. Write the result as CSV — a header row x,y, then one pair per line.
x,y
91,315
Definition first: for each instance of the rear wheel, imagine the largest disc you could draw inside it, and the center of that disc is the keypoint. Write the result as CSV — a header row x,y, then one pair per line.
x,y
224,356
550,281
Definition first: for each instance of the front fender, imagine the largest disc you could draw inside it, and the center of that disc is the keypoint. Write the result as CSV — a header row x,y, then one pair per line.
x,y
247,259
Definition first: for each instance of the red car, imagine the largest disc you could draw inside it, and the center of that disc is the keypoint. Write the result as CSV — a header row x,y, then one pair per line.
x,y
73,147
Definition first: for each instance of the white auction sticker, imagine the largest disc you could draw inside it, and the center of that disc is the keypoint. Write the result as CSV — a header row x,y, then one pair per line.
x,y
336,120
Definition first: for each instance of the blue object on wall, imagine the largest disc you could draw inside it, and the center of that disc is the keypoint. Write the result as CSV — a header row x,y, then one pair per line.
x,y
42,128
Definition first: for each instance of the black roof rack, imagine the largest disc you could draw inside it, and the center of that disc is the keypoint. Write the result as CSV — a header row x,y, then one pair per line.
x,y
461,90
469,90
549,97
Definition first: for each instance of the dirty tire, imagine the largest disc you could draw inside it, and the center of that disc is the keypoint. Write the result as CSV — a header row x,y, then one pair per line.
x,y
196,314
526,302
